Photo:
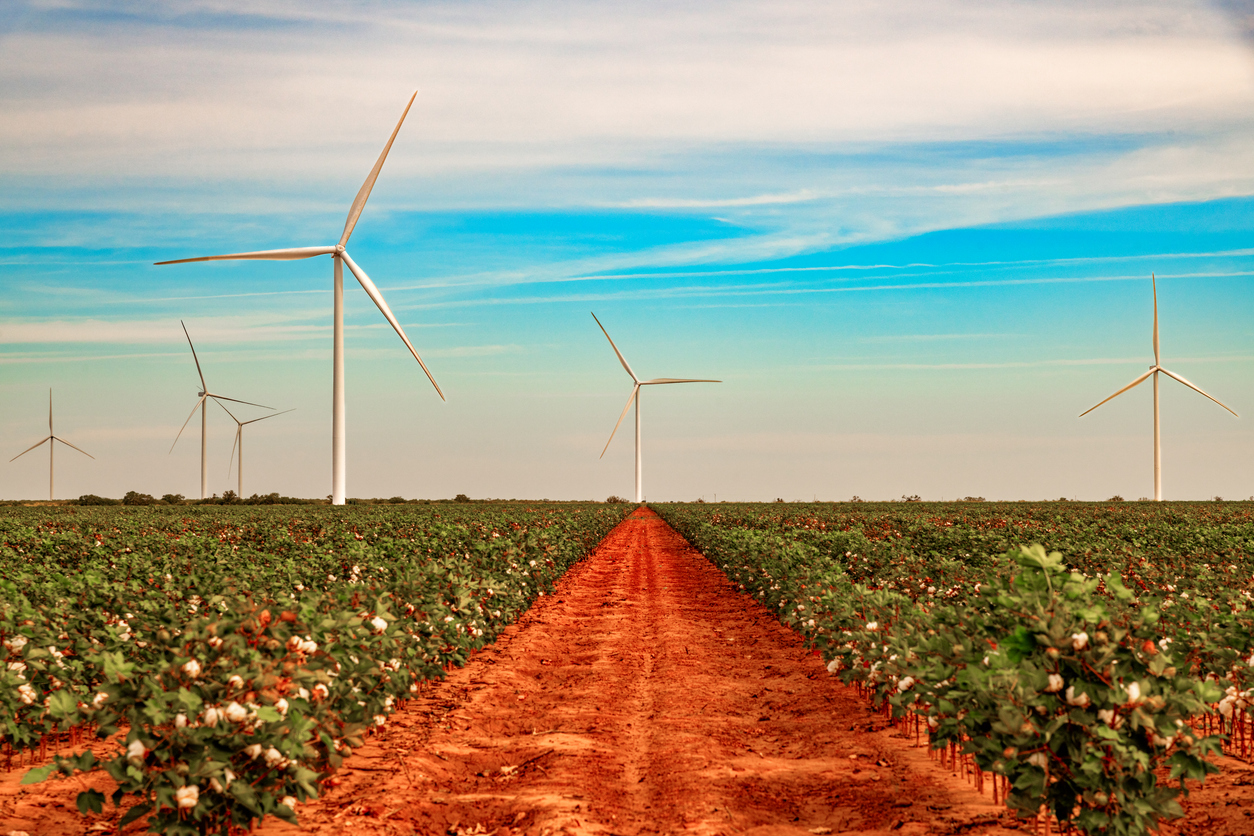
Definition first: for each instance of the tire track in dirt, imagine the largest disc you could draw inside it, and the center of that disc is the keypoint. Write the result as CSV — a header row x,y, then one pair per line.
x,y
646,696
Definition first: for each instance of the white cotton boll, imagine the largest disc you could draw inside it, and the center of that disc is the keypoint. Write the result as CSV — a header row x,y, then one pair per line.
x,y
320,691
872,625
380,720
1080,700
235,682
211,716
192,668
180,721
1038,759
15,643
308,646
215,642
833,666
236,713
27,694
99,699
1134,692
273,757
280,705
253,751
1079,640
289,802
187,797
906,683
1055,683
378,624
135,752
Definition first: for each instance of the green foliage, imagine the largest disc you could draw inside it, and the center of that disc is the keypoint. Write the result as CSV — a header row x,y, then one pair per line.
x,y
1074,684
245,651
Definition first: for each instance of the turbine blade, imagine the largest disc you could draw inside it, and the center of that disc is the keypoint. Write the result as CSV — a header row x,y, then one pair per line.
x,y
288,254
1136,382
236,400
373,293
1196,389
634,390
674,380
68,444
185,423
204,387
264,417
621,359
28,449
238,431
363,194
228,412
1154,284
50,411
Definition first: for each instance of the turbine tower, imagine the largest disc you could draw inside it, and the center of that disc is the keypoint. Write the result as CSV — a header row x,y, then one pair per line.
x,y
635,396
1153,371
202,403
339,258
50,441
239,440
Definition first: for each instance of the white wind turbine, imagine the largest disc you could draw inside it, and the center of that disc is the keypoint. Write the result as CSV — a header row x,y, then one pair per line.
x,y
339,257
202,403
635,396
239,440
1154,370
51,442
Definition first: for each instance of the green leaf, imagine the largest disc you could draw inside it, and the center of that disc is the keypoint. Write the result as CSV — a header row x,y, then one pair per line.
x,y
39,774
91,801
136,812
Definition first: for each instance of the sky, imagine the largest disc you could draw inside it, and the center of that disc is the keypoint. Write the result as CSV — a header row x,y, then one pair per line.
x,y
913,240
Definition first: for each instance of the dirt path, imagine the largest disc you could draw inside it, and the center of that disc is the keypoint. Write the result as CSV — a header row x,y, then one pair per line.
x,y
646,696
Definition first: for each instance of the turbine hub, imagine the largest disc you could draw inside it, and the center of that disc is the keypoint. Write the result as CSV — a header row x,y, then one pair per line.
x,y
339,248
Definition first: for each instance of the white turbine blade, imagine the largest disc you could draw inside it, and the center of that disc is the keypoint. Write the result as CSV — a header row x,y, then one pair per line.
x,y
634,390
373,293
264,417
363,194
227,411
289,254
68,444
1154,284
204,387
1136,382
621,359
674,380
1196,389
50,433
236,400
28,449
238,432
185,423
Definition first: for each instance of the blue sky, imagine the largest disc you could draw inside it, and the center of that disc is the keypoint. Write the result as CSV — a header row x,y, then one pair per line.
x,y
914,240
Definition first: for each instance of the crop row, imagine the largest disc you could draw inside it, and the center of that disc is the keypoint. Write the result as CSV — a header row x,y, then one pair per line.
x,y
1069,682
236,656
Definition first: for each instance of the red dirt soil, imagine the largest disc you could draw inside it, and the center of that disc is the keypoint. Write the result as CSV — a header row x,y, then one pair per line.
x,y
646,696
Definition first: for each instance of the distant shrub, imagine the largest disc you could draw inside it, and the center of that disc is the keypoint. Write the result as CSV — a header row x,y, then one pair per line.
x,y
174,499
613,499
137,498
92,499
1115,498
461,497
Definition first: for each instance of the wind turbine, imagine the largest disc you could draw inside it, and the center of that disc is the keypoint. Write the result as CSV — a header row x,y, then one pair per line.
x,y
239,439
339,257
201,404
51,446
1153,371
635,396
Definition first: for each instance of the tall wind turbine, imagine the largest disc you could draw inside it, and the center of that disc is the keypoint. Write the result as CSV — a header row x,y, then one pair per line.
x,y
50,441
1153,371
339,257
635,396
239,440
202,403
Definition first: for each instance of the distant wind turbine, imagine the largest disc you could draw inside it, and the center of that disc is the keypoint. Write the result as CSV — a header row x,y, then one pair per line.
x,y
1153,371
52,437
339,257
239,440
635,396
201,404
